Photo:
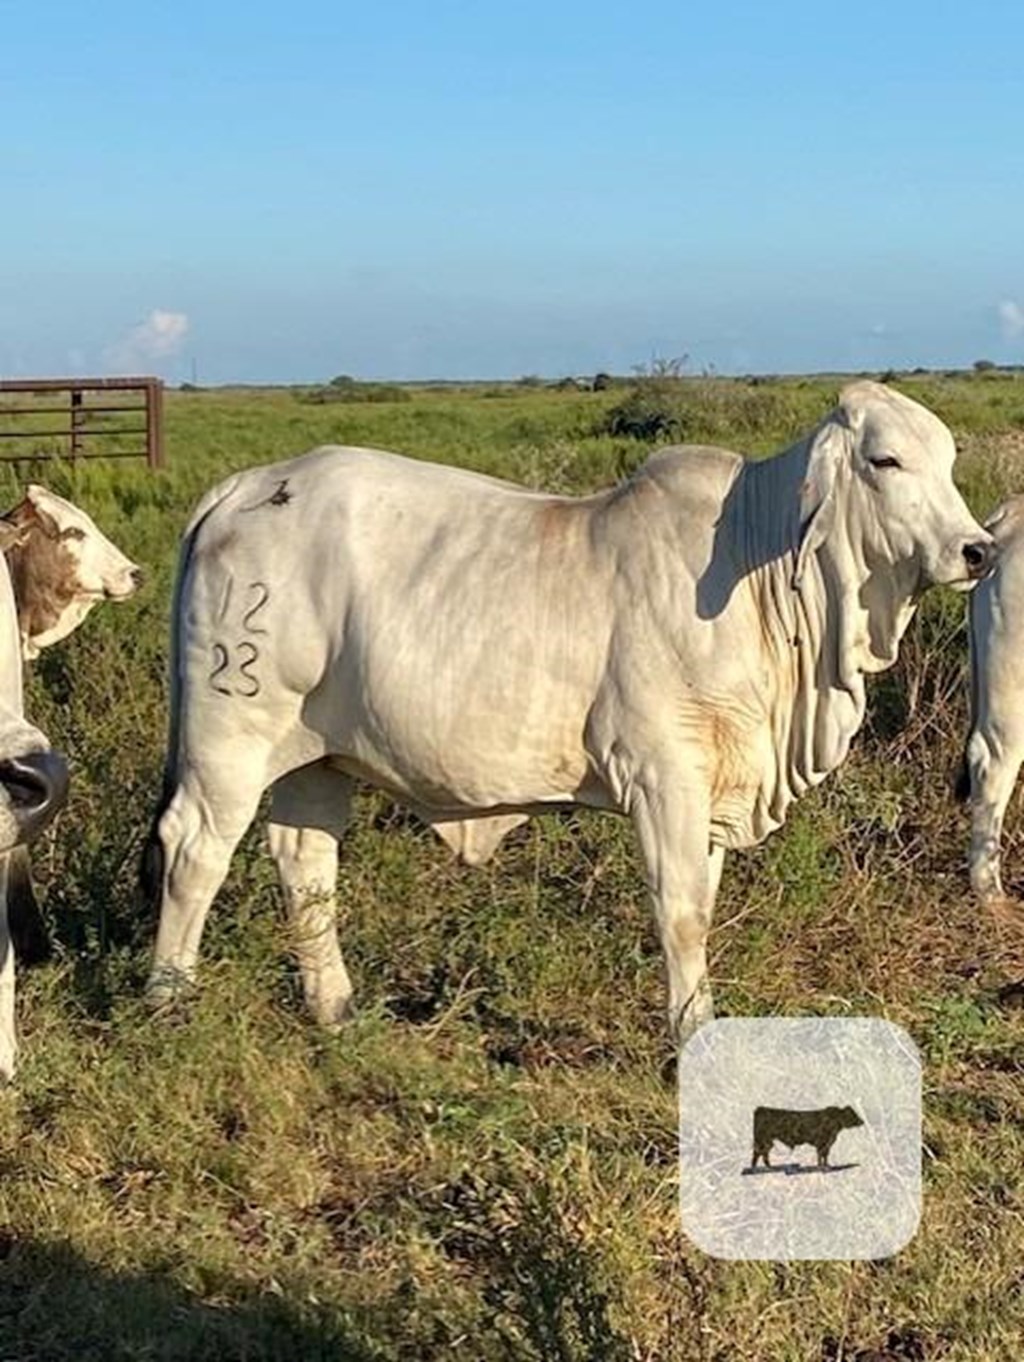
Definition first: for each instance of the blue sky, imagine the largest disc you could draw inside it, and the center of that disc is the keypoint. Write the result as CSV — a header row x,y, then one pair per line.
x,y
284,193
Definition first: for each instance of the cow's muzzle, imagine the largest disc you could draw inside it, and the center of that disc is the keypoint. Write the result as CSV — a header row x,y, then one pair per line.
x,y
36,785
980,557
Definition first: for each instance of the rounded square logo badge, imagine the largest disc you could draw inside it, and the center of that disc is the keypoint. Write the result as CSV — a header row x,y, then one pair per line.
x,y
800,1138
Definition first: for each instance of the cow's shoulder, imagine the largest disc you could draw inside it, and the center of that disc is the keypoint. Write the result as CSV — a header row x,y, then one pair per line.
x,y
693,470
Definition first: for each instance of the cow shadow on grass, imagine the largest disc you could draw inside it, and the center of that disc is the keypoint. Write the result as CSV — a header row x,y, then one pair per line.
x,y
54,1305
542,1295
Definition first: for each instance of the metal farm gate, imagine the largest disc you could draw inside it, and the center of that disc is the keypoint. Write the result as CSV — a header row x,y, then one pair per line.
x,y
103,418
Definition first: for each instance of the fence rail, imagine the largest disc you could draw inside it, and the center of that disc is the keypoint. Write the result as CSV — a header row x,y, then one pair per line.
x,y
91,430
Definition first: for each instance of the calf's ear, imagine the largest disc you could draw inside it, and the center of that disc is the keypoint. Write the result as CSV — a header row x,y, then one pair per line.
x,y
830,449
11,535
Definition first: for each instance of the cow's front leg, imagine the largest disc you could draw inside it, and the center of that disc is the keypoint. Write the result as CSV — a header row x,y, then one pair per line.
x,y
308,814
683,870
994,765
8,1038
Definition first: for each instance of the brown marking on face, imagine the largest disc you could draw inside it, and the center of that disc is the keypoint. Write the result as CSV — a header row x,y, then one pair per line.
x,y
44,574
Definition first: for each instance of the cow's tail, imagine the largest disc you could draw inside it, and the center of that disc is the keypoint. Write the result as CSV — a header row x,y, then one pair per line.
x,y
151,868
962,787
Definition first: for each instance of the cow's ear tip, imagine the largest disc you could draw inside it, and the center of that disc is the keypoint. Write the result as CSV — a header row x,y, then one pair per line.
x,y
10,535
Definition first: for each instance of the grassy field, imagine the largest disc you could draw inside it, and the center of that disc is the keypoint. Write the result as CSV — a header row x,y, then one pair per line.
x,y
482,1165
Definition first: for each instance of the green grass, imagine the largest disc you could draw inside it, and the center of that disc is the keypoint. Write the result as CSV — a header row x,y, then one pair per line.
x,y
482,1164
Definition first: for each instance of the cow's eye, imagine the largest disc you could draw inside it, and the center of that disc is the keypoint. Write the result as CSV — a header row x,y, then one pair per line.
x,y
72,532
884,461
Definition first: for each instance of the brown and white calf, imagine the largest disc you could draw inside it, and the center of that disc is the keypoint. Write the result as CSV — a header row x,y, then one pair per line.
x,y
33,785
61,564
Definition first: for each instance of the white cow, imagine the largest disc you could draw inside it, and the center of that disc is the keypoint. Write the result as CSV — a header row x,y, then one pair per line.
x,y
33,786
688,648
61,564
995,746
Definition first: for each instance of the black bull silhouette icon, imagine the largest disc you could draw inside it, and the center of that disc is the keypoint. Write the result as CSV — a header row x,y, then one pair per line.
x,y
818,1128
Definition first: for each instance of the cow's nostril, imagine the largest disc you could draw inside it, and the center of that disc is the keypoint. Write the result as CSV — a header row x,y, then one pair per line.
x,y
36,786
138,577
979,557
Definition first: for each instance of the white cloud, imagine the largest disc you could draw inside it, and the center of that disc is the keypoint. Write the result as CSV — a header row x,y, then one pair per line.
x,y
160,336
1011,318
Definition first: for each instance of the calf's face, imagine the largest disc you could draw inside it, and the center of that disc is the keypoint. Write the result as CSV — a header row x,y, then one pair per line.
x,y
61,564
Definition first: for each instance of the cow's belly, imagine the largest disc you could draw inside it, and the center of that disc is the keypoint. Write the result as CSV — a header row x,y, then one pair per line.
x,y
466,757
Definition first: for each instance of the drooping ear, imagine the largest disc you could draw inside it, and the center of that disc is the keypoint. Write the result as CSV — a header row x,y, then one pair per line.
x,y
830,449
11,535
45,522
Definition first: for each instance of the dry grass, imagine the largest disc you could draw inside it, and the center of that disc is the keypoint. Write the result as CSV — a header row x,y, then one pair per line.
x,y
483,1164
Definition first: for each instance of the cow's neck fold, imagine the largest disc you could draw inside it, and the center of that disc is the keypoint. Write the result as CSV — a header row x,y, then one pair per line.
x,y
844,620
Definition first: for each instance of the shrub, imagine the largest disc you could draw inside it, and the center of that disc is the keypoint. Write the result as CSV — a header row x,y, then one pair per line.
x,y
350,390
645,414
653,408
661,405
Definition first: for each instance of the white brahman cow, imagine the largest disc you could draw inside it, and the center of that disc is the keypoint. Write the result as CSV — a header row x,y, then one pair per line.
x,y
33,786
995,745
688,648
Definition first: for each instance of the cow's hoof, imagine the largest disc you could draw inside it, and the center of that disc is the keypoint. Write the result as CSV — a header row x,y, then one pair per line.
x,y
168,986
333,1014
1005,919
698,1010
690,1023
1011,995
1004,909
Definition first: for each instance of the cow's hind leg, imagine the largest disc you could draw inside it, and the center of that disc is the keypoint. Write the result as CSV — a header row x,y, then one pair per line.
x,y
193,842
309,811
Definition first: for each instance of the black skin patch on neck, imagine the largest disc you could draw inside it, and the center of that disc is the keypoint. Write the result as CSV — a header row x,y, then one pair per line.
x,y
279,497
